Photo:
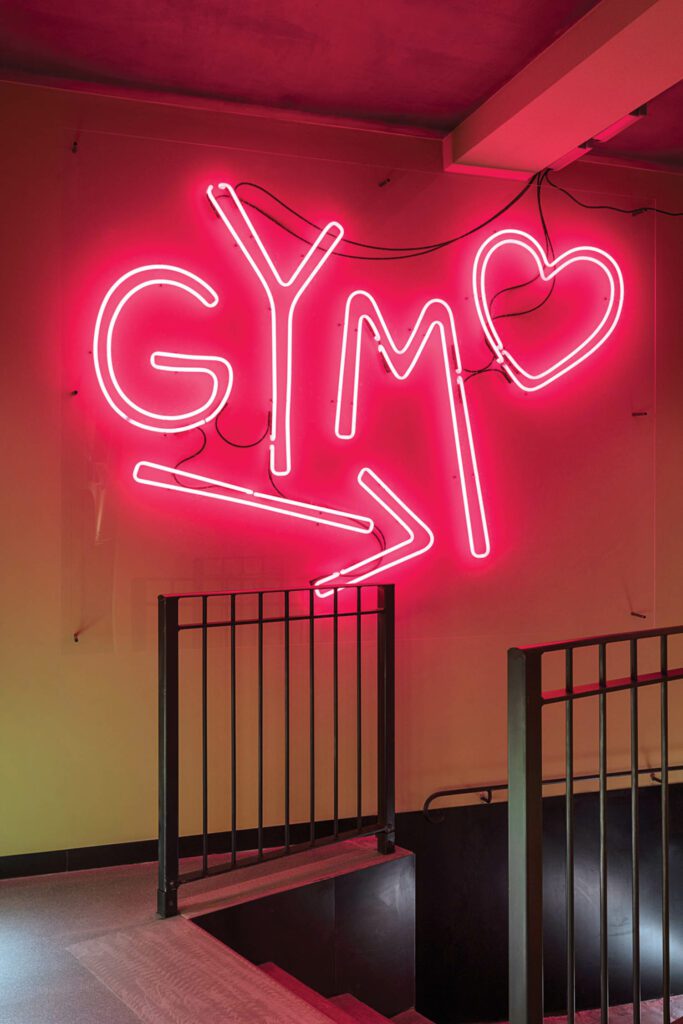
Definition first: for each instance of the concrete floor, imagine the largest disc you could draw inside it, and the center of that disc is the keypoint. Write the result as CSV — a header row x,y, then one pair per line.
x,y
41,982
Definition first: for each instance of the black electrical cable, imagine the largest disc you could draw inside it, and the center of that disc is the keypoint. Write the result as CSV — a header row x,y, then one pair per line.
x,y
376,532
550,251
426,248
339,255
542,178
236,444
633,211
188,458
379,537
489,367
300,216
274,485
194,454
406,253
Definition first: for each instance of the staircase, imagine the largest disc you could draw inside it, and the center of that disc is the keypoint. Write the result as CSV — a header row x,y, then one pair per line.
x,y
177,971
343,1009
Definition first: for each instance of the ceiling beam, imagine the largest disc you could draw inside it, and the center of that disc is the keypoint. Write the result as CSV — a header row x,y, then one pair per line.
x,y
614,59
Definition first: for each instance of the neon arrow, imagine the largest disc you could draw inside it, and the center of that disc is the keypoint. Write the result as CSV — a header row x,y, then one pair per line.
x,y
419,538
152,474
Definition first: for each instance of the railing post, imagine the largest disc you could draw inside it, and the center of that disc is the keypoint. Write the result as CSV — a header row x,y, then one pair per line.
x,y
167,892
525,838
385,719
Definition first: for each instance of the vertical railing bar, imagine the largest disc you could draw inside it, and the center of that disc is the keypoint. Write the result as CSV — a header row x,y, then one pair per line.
x,y
359,711
287,709
167,892
569,853
233,734
525,837
260,724
602,769
666,948
311,705
335,710
205,738
635,852
386,752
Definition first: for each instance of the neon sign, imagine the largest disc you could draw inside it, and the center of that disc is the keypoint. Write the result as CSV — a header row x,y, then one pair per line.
x,y
217,369
436,317
547,271
283,297
363,319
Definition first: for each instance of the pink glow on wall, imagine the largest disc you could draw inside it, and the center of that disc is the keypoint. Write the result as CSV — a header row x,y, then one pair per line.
x,y
410,535
547,269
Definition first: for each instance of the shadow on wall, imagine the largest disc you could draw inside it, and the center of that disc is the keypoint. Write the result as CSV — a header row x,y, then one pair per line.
x,y
461,893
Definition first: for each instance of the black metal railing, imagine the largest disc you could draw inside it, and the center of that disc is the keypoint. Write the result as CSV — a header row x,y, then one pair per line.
x,y
274,615
527,698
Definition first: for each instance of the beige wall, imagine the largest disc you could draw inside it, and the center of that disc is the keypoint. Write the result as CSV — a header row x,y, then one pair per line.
x,y
584,498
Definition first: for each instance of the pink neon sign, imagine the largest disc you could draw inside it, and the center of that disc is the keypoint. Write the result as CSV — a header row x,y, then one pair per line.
x,y
363,319
547,270
435,319
283,297
218,370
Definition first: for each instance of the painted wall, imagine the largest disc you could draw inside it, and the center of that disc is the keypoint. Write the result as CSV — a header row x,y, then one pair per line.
x,y
583,498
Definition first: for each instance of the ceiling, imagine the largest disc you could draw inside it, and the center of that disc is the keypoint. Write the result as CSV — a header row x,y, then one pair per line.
x,y
419,63
657,138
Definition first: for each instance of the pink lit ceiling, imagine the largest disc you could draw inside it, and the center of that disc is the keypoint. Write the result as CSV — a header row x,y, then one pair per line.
x,y
658,137
419,63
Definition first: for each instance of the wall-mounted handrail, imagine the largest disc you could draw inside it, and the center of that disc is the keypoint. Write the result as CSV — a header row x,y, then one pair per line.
x,y
486,791
334,611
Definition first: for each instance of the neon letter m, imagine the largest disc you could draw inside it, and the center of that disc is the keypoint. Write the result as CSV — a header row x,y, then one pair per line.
x,y
435,323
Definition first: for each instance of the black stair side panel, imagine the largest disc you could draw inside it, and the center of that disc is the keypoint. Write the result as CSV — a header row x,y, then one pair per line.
x,y
351,933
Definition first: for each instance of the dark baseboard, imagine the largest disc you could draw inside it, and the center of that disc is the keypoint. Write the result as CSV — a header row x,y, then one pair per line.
x,y
117,854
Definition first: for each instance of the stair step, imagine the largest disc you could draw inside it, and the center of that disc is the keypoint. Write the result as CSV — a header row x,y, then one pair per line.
x,y
309,995
172,971
360,1012
410,1017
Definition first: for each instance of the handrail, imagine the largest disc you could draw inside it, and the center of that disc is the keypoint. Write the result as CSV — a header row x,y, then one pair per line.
x,y
486,792
527,699
328,671
255,593
607,638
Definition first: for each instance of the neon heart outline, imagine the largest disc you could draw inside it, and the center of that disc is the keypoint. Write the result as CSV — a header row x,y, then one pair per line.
x,y
547,269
